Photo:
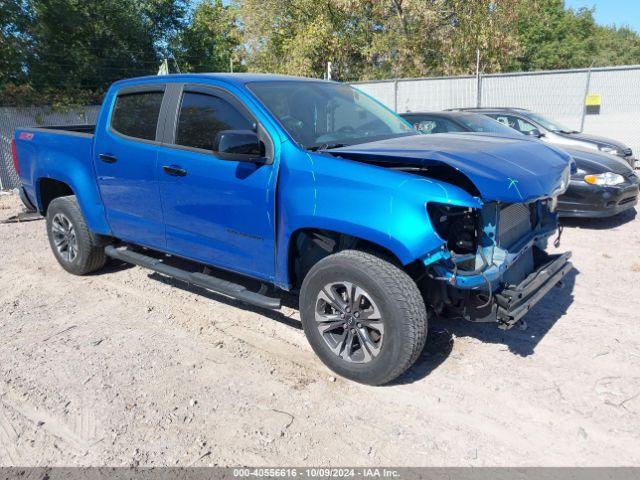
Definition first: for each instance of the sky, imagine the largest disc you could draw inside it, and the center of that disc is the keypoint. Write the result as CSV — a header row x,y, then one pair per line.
x,y
609,12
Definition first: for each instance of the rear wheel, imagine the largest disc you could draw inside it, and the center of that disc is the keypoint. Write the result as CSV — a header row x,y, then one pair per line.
x,y
363,316
77,250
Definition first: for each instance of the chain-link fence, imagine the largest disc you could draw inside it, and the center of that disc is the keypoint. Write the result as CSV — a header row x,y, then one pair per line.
x,y
18,117
559,95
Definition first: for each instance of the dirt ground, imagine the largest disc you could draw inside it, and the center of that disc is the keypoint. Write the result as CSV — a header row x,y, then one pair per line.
x,y
127,368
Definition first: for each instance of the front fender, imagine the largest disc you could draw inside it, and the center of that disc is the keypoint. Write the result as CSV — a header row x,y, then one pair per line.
x,y
379,205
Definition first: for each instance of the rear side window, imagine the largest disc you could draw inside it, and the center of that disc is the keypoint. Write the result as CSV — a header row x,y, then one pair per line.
x,y
202,116
435,125
516,123
136,114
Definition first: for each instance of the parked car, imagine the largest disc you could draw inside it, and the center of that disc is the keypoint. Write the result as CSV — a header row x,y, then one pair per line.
x,y
531,123
310,186
602,185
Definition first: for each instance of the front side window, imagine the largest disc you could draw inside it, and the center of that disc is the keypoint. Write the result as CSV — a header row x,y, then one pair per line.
x,y
550,125
324,114
136,114
202,116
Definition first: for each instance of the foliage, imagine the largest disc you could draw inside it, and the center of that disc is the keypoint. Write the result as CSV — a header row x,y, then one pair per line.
x,y
211,41
65,48
66,51
552,37
407,38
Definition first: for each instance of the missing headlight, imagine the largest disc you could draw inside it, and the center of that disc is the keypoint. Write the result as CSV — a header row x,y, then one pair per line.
x,y
458,226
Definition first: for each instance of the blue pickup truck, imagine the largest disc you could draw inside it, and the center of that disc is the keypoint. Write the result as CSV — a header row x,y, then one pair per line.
x,y
308,186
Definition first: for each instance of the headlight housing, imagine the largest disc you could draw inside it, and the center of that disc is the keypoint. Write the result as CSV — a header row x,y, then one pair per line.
x,y
455,225
607,178
564,182
608,149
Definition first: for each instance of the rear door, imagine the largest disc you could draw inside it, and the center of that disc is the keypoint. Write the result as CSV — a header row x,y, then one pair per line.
x,y
219,212
126,165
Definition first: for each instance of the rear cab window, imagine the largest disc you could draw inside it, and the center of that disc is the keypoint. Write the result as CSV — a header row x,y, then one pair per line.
x,y
136,114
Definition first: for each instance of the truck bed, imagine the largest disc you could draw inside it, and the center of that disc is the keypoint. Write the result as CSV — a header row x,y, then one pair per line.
x,y
59,152
85,129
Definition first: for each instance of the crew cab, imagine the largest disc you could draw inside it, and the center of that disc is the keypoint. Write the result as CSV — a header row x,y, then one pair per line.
x,y
309,186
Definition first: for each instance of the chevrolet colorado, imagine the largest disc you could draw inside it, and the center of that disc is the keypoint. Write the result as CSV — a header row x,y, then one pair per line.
x,y
310,186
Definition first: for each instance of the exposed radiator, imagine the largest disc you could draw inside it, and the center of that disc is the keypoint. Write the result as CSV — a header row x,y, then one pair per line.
x,y
514,223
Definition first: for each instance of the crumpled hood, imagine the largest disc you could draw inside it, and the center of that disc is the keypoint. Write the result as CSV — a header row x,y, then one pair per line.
x,y
506,169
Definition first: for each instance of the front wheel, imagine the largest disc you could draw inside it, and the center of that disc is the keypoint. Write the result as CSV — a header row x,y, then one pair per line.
x,y
363,316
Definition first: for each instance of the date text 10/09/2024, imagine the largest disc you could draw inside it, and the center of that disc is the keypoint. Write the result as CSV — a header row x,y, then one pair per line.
x,y
316,472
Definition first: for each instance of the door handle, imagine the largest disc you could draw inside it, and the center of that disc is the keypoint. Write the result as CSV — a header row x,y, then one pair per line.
x,y
106,158
174,170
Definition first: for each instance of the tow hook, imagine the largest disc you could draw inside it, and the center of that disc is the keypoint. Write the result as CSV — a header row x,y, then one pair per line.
x,y
520,325
556,242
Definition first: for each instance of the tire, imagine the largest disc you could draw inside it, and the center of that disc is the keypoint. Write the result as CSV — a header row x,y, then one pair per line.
x,y
64,213
380,350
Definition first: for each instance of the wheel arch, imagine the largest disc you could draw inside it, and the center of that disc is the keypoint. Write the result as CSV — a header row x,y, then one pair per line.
x,y
308,245
49,189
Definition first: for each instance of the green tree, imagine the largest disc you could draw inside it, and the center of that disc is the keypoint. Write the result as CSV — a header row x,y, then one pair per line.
x,y
90,43
74,48
13,44
211,41
485,25
552,37
616,46
366,38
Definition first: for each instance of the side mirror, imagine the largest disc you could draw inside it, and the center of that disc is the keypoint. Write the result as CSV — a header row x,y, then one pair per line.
x,y
535,133
239,145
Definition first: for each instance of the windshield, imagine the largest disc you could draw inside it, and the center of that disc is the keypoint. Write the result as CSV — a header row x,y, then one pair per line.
x,y
480,123
549,125
324,115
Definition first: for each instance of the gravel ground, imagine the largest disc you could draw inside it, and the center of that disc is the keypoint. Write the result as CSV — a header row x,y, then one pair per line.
x,y
127,368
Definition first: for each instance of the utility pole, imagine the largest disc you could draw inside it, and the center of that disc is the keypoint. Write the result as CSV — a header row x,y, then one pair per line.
x,y
328,70
478,81
584,100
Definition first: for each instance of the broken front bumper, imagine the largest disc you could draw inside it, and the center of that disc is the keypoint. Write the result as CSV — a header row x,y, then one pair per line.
x,y
514,301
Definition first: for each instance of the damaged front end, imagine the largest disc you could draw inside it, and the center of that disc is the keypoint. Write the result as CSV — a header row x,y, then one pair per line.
x,y
492,265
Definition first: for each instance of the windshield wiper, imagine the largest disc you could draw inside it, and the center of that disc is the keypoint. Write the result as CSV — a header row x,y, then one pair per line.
x,y
327,146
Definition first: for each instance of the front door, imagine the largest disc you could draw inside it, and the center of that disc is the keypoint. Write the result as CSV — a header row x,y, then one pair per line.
x,y
219,212
126,150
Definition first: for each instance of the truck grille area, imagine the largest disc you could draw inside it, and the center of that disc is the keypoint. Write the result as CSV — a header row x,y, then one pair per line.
x,y
514,223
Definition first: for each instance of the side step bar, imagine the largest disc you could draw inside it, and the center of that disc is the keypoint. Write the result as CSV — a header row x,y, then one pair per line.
x,y
209,282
